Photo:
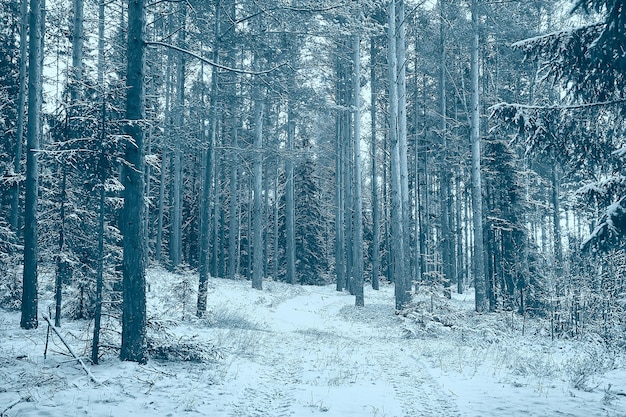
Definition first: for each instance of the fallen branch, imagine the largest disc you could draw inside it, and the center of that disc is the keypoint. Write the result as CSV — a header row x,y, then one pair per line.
x,y
50,326
14,403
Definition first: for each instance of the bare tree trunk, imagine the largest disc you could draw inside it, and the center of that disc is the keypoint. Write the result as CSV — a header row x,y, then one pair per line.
x,y
290,214
358,203
62,264
480,284
77,50
403,149
134,339
177,180
205,215
233,229
19,134
459,237
448,253
164,146
29,293
339,203
257,267
397,207
95,344
217,213
375,204
556,217
276,223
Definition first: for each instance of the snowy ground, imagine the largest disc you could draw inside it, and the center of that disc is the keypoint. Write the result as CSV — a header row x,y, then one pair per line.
x,y
301,351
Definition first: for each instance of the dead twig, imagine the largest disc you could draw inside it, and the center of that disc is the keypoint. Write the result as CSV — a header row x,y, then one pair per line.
x,y
26,399
80,361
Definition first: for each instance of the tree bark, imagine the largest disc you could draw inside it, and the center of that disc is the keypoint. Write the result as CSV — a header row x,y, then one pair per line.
x,y
95,344
257,227
177,180
19,134
403,150
339,200
233,228
448,253
480,284
290,214
556,217
205,215
29,290
358,203
134,339
164,146
375,204
397,216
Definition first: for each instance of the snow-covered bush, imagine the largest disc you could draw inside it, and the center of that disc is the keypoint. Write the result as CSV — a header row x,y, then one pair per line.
x,y
10,273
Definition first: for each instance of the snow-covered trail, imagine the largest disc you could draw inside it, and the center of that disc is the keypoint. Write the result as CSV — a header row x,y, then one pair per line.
x,y
305,351
321,354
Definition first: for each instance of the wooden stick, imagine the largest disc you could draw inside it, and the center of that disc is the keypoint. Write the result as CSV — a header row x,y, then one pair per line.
x,y
93,378
14,403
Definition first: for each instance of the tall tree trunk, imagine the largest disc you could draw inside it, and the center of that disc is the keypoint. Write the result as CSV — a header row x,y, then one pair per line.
x,y
62,264
348,162
276,213
19,134
177,180
358,203
448,253
77,50
205,215
339,202
397,207
403,149
164,147
290,213
233,228
375,204
421,179
257,246
95,344
217,214
482,303
29,290
134,340
459,236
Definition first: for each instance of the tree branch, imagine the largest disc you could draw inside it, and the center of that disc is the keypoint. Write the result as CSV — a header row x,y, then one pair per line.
x,y
211,63
499,106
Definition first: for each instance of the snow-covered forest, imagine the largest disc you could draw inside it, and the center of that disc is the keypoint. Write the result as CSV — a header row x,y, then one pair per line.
x,y
294,207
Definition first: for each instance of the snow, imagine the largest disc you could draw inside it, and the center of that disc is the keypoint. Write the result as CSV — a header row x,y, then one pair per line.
x,y
305,351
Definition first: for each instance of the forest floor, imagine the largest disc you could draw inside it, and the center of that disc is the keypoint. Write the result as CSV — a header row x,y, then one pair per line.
x,y
304,351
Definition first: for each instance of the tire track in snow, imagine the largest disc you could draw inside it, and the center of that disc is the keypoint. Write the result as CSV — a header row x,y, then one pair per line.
x,y
270,392
366,348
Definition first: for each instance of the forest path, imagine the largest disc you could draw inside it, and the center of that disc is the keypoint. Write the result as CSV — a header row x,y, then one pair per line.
x,y
323,355
293,350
